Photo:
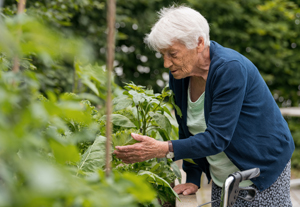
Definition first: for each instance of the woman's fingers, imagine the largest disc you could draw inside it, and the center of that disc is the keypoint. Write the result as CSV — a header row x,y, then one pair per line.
x,y
189,191
139,137
186,188
127,148
179,188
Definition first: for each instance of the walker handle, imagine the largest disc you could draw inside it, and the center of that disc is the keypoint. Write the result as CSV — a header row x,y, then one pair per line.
x,y
231,188
249,174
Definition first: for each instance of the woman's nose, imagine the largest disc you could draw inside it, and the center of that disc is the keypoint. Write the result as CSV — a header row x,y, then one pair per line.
x,y
167,62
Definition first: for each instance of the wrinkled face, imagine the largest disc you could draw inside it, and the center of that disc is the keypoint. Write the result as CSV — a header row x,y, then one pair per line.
x,y
180,60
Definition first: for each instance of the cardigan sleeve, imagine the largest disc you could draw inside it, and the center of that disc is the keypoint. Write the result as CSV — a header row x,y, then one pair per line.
x,y
227,88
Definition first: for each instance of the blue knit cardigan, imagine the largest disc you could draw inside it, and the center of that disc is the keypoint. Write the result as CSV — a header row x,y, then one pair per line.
x,y
242,119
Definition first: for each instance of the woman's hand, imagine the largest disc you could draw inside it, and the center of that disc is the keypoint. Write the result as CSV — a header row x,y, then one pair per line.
x,y
186,188
146,149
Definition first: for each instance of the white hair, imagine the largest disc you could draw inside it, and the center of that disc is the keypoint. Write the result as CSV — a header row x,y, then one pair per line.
x,y
181,24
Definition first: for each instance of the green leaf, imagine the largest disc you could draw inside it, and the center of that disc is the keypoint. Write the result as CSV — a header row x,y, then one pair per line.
x,y
64,153
162,121
122,138
89,97
190,161
166,110
166,92
163,134
120,120
155,179
131,85
155,167
94,156
91,85
121,102
172,101
137,98
141,190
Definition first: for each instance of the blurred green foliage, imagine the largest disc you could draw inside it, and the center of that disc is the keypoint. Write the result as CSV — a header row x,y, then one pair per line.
x,y
40,163
52,152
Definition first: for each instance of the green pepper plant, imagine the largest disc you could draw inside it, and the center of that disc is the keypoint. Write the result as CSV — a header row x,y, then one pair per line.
x,y
142,111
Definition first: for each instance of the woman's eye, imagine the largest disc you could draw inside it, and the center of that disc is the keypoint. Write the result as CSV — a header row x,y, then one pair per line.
x,y
173,55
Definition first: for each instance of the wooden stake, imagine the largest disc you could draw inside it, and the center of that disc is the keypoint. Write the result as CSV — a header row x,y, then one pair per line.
x,y
21,6
109,66
16,61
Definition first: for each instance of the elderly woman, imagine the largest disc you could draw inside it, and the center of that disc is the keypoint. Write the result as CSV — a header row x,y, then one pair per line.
x,y
229,122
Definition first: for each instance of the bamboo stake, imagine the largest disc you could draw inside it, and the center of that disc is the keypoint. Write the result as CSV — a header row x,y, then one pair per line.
x,y
109,65
16,61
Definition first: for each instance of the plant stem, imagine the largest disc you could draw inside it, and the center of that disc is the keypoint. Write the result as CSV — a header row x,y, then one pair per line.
x,y
144,126
138,116
144,122
148,121
158,105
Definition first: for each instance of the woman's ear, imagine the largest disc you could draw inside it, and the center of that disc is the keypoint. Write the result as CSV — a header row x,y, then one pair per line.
x,y
200,45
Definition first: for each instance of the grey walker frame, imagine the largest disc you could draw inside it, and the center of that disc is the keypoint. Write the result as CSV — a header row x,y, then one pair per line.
x,y
231,188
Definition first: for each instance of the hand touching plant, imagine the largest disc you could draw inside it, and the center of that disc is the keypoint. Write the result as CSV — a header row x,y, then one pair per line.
x,y
146,148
